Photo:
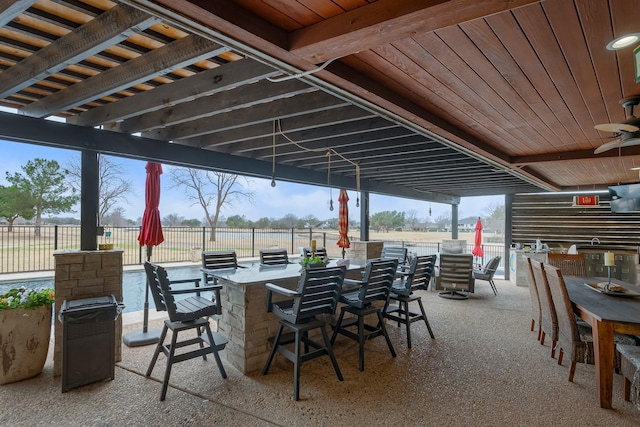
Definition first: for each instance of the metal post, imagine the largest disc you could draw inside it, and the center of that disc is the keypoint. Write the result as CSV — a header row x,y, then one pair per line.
x,y
55,238
89,199
454,222
364,216
508,233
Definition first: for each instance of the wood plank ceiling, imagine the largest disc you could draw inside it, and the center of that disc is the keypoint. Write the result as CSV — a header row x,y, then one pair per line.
x,y
433,100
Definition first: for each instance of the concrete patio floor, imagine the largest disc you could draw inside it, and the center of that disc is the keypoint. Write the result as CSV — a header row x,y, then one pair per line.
x,y
485,368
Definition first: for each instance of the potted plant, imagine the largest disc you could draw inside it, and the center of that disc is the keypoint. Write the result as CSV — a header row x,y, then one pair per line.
x,y
25,330
313,262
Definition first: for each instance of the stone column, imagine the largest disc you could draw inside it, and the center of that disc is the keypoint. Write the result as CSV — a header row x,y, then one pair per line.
x,y
86,274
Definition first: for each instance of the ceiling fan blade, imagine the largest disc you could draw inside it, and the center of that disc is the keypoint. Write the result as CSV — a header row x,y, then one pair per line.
x,y
609,146
617,127
630,142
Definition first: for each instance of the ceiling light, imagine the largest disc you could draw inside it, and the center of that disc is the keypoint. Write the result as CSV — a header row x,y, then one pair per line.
x,y
624,41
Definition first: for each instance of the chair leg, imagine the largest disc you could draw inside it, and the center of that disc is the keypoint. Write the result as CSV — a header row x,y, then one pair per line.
x,y
200,331
167,371
407,320
384,332
542,336
553,349
627,389
572,371
337,327
539,332
274,348
424,316
560,355
296,366
361,342
533,322
329,347
154,359
215,352
493,287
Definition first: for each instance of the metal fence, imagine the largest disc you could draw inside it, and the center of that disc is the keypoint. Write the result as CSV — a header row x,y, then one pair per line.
x,y
22,251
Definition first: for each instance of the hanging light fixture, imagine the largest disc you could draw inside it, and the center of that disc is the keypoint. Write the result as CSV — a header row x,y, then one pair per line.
x,y
329,180
429,210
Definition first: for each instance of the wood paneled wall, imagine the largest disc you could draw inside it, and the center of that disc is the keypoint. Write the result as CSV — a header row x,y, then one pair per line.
x,y
553,218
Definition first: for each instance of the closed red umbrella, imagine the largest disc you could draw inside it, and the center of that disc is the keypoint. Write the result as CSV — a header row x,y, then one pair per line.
x,y
343,221
151,230
150,236
477,248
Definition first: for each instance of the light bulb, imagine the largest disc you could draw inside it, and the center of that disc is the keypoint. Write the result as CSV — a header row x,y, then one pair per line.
x,y
273,181
330,205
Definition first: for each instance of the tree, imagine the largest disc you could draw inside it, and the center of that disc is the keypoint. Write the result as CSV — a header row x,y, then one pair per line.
x,y
112,187
212,190
387,220
172,220
411,219
191,223
237,221
494,221
47,186
15,203
116,218
443,221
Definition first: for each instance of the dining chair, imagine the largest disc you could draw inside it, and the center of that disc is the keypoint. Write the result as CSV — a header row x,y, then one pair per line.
x,y
370,297
629,368
415,277
575,336
184,315
488,271
321,251
395,252
569,264
274,256
317,294
535,299
216,260
548,316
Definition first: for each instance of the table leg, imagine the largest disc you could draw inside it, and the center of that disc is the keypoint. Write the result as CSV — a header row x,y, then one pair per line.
x,y
604,348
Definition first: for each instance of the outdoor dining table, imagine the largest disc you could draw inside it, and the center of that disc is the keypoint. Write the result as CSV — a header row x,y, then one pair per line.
x,y
244,320
607,315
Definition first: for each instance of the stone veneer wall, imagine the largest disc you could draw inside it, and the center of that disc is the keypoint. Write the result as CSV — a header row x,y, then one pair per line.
x,y
360,252
86,274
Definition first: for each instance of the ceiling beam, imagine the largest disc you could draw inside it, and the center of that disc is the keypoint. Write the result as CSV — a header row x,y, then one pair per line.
x,y
172,56
243,96
109,28
566,156
18,128
10,9
294,106
332,117
208,82
384,21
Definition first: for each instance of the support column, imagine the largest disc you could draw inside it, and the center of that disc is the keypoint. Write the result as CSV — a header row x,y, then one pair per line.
x,y
364,216
508,233
454,222
89,199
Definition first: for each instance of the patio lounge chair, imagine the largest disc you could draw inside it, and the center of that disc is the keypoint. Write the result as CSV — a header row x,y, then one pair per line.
x,y
488,271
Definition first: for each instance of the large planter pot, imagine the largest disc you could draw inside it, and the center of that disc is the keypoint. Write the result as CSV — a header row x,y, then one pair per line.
x,y
24,342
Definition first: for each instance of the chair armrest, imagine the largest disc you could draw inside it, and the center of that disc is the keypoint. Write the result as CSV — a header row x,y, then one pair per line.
x,y
195,290
196,281
271,288
353,282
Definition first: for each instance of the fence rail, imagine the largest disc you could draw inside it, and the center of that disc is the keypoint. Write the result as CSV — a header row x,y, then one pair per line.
x,y
21,251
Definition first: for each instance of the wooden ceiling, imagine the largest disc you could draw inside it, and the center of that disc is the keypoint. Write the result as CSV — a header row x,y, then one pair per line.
x,y
433,100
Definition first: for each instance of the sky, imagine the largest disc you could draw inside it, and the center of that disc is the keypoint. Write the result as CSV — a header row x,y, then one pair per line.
x,y
286,198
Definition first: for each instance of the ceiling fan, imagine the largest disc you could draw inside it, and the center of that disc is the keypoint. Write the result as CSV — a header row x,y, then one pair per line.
x,y
627,132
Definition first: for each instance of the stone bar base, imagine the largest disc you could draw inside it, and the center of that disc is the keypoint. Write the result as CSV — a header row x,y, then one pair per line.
x,y
86,274
247,325
360,252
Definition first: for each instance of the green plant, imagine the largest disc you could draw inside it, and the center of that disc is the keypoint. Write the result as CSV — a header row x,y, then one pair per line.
x,y
26,298
311,260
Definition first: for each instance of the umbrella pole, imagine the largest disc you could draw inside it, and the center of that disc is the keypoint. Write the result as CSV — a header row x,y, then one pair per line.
x,y
146,336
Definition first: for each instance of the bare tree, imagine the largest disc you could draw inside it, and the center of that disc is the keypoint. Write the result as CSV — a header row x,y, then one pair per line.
x,y
112,187
411,219
212,190
172,220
